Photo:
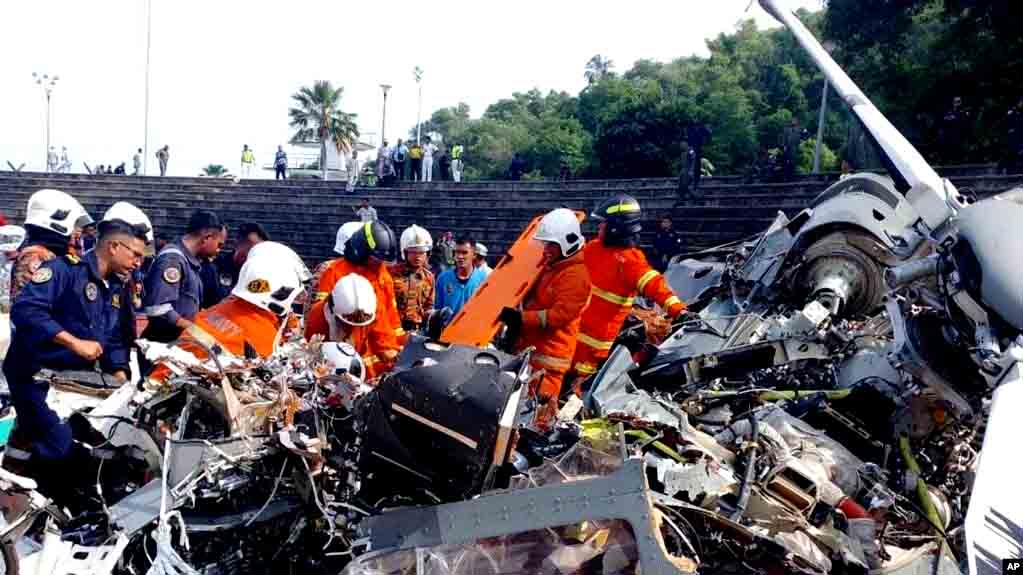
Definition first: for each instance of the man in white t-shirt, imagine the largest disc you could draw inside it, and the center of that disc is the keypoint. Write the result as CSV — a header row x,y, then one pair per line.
x,y
428,149
366,212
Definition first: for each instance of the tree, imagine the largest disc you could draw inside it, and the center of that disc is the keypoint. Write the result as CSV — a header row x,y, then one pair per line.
x,y
598,68
215,171
317,117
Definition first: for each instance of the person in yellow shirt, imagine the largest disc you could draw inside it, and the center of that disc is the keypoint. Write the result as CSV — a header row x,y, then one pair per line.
x,y
248,161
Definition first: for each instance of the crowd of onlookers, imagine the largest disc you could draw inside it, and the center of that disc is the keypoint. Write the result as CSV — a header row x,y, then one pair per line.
x,y
415,162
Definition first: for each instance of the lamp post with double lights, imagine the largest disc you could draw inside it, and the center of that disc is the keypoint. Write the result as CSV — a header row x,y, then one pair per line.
x,y
46,82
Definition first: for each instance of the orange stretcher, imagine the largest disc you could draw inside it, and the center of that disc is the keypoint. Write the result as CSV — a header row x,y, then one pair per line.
x,y
476,324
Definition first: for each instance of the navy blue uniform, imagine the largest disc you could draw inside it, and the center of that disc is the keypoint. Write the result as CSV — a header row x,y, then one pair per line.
x,y
66,294
172,290
218,278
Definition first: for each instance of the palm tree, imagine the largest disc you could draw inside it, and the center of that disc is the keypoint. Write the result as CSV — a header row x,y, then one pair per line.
x,y
215,171
317,117
597,68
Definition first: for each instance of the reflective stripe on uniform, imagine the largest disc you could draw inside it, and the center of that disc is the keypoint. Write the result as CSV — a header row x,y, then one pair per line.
x,y
594,342
555,363
611,297
673,300
398,331
370,360
368,230
542,314
623,208
585,368
646,279
389,354
158,310
320,295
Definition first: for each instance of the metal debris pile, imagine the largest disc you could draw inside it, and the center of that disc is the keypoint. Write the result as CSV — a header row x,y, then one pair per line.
x,y
842,397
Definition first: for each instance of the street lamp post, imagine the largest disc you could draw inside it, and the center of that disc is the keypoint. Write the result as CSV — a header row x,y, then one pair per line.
x,y
149,34
419,106
383,117
47,83
830,47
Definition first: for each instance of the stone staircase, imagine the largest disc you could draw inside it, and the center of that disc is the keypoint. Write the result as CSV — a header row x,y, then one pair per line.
x,y
306,213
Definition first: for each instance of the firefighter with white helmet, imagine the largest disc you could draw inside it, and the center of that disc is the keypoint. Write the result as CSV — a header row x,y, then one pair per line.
x,y
347,316
549,316
413,280
53,223
132,215
344,231
252,318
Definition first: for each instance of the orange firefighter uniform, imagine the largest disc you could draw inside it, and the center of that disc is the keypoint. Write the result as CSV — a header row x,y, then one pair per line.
x,y
386,331
232,323
413,291
617,275
550,322
320,321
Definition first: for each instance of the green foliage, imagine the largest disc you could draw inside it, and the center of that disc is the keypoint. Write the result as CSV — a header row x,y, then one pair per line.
x,y
829,160
214,170
909,57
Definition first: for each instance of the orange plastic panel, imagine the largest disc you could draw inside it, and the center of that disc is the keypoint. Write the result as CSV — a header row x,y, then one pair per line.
x,y
476,324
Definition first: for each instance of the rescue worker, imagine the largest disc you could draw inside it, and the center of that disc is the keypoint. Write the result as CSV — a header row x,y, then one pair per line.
x,y
224,269
365,253
551,311
619,271
251,319
346,316
413,280
70,316
344,231
133,282
173,286
51,222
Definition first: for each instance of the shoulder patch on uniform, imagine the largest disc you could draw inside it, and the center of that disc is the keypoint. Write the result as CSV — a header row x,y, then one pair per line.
x,y
172,275
42,275
72,258
116,300
225,280
91,291
258,286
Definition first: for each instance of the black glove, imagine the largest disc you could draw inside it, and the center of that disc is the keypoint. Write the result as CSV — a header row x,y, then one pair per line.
x,y
512,318
684,318
437,321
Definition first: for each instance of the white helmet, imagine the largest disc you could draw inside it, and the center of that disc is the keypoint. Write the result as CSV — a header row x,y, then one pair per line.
x,y
561,226
481,250
344,232
415,237
131,215
272,277
354,301
342,359
57,211
11,237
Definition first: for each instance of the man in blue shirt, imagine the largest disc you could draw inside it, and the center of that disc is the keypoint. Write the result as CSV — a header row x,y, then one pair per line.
x,y
74,314
456,285
173,287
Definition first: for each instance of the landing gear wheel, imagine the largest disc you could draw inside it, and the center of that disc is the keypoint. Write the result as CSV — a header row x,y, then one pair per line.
x,y
836,265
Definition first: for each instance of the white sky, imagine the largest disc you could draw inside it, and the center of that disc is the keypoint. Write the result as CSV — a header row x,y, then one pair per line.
x,y
223,71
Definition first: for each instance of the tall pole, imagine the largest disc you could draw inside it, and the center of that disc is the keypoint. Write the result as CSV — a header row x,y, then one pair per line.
x,y
383,116
46,83
820,129
149,35
419,106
